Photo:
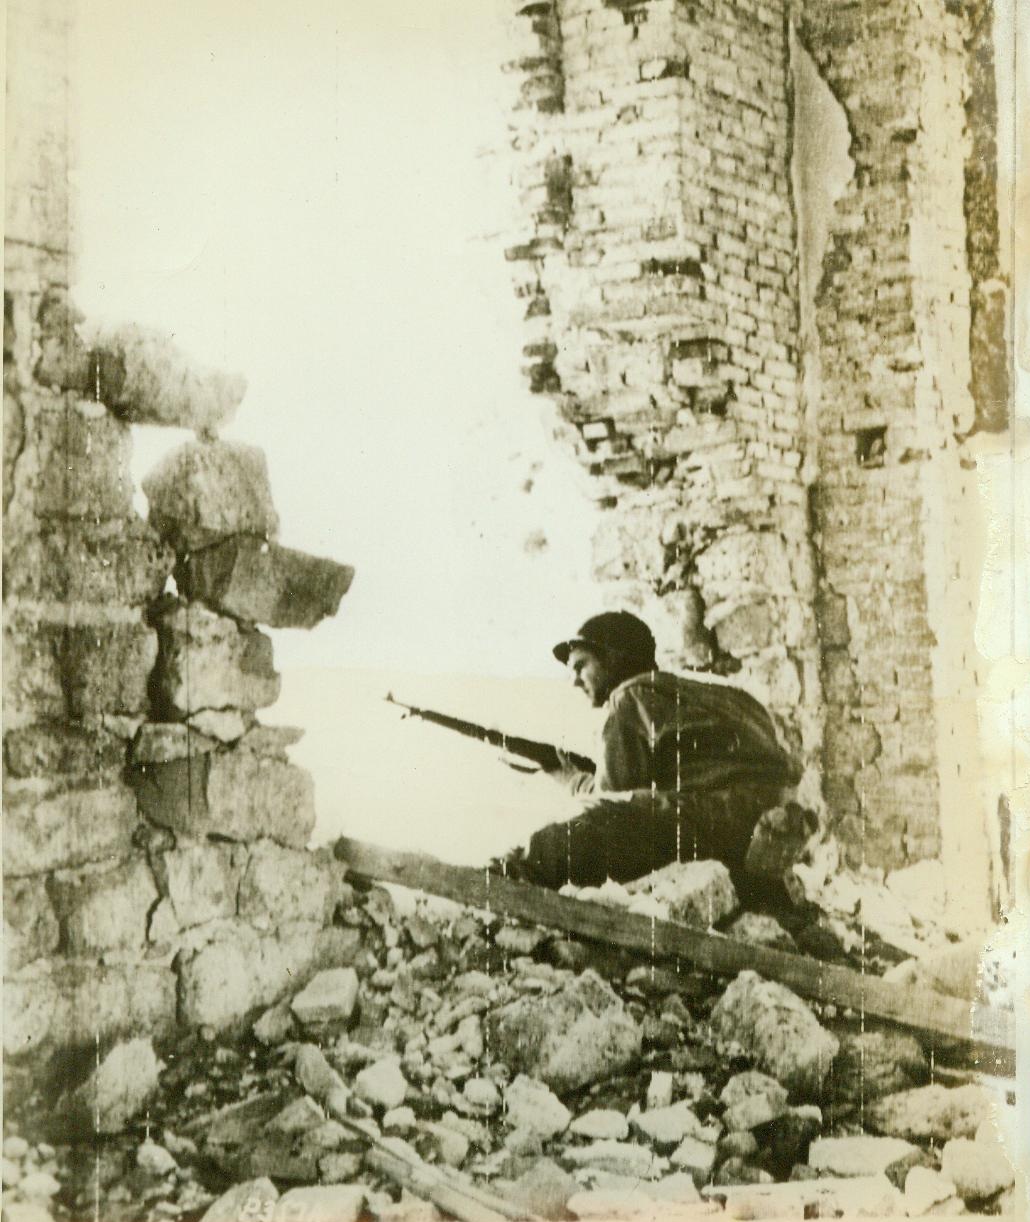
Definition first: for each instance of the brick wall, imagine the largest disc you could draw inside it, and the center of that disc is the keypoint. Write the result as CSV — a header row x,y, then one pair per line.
x,y
814,530
652,146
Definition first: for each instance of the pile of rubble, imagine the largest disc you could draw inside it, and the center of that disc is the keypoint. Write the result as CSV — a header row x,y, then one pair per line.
x,y
565,1079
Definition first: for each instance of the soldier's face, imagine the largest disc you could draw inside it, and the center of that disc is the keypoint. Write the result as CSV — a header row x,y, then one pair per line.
x,y
590,675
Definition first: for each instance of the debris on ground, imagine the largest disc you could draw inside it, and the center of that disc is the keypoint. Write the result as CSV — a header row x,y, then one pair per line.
x,y
464,1055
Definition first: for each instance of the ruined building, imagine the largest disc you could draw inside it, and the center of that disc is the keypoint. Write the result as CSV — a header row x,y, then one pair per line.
x,y
759,255
770,347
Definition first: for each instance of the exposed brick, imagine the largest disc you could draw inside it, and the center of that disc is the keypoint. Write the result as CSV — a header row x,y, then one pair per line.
x,y
49,827
102,907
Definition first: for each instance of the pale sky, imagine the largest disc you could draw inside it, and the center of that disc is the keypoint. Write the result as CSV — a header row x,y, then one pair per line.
x,y
294,192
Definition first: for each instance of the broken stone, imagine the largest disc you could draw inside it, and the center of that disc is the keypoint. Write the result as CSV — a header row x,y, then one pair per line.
x,y
601,1124
208,661
320,1203
482,1094
785,1141
155,1160
116,1091
977,1170
226,725
38,1185
667,1126
775,1026
925,1188
531,1108
870,1196
270,740
100,908
339,1167
954,970
695,1157
138,373
619,1157
232,794
582,1033
329,997
381,1084
26,1211
875,1063
921,888
240,970
659,1090
251,579
15,1147
761,930
275,1025
30,924
543,1189
49,827
933,1111
861,1155
739,1143
203,491
399,1120
319,1079
694,892
299,1116
451,1147
519,939
750,1099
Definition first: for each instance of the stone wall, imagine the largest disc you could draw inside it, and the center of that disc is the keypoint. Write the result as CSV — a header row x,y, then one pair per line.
x,y
155,869
797,489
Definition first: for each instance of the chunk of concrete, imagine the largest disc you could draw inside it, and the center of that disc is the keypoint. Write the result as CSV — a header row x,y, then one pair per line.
x,y
275,1024
103,907
925,1188
773,1025
761,930
532,1109
695,892
330,997
322,1203
871,1064
30,923
381,1084
203,491
116,1091
618,1157
568,1039
208,661
938,1112
251,579
695,1157
542,1190
859,1155
751,1099
233,794
666,1127
251,1199
601,1124
49,827
976,1168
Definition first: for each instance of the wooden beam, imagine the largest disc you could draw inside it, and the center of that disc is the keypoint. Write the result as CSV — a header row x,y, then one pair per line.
x,y
987,1029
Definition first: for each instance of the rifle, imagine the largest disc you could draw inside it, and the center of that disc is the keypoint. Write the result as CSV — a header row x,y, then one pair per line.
x,y
547,756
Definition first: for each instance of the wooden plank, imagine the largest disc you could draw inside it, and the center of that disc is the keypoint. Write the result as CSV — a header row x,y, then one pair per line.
x,y
988,1029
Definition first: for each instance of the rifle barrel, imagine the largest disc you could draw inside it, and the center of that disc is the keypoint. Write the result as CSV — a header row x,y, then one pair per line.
x,y
542,753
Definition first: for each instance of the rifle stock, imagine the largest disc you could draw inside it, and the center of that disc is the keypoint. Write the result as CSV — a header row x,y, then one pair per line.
x,y
544,754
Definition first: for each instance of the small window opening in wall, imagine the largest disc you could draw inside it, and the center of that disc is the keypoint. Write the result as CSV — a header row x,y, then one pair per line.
x,y
871,446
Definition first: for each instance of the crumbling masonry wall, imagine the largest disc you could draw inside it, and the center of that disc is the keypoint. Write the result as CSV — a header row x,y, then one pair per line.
x,y
155,869
811,530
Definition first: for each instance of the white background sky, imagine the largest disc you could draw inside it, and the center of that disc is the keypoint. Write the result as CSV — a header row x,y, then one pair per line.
x,y
293,191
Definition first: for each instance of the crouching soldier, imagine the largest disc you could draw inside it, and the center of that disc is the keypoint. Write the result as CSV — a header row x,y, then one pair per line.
x,y
685,767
